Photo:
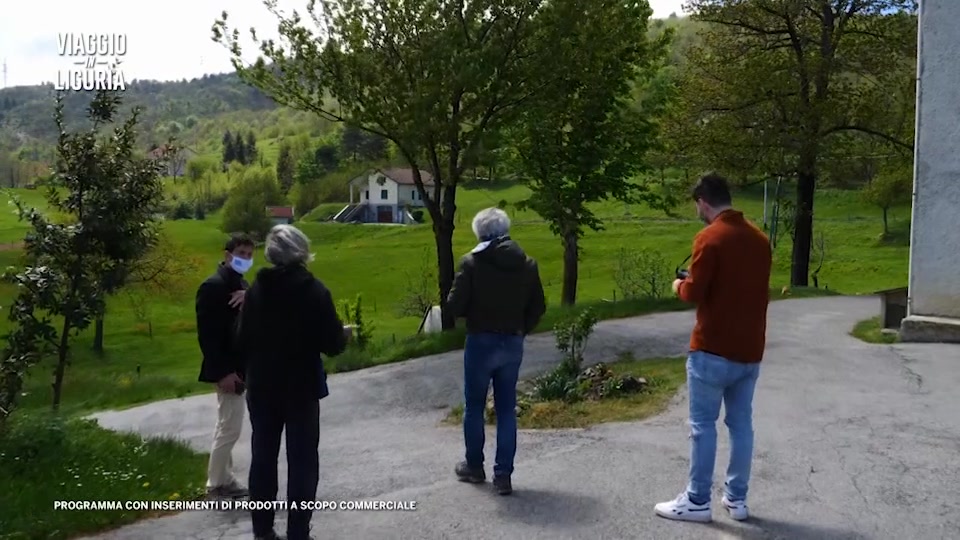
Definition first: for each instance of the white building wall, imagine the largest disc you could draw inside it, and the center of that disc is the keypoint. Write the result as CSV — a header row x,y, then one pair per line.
x,y
933,312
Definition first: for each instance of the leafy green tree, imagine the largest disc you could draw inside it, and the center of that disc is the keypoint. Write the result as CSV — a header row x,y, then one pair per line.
x,y
107,196
306,196
773,81
351,142
326,158
250,149
374,148
198,166
246,207
890,187
240,148
308,170
229,148
286,167
586,143
456,71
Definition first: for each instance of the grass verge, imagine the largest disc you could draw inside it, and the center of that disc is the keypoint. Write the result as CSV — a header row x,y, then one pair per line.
x,y
871,331
44,459
664,377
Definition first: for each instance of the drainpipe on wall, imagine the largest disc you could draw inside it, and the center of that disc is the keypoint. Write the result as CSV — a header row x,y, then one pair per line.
x,y
916,148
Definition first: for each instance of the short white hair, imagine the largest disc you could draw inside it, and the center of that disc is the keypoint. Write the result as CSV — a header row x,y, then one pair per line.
x,y
491,223
286,245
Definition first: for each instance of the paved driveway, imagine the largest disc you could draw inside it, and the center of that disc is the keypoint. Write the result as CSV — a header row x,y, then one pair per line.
x,y
852,441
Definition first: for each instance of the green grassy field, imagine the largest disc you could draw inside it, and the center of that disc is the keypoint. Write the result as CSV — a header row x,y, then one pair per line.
x,y
382,262
45,459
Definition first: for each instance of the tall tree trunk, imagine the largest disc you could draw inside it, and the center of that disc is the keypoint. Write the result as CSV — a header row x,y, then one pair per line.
x,y
62,353
886,228
443,234
803,222
571,253
98,335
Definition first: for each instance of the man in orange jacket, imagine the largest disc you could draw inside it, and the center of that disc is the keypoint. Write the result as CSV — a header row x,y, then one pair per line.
x,y
729,281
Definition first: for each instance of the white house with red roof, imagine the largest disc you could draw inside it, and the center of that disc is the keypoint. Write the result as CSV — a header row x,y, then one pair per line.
x,y
384,196
280,215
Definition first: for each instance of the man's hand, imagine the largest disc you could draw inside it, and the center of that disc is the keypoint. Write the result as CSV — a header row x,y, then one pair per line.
x,y
236,298
229,383
676,286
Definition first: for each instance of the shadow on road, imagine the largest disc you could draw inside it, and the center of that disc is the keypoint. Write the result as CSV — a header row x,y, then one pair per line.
x,y
548,509
758,528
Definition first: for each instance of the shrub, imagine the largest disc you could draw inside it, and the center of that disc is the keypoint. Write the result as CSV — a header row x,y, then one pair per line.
x,y
572,336
642,274
352,313
305,196
245,209
181,210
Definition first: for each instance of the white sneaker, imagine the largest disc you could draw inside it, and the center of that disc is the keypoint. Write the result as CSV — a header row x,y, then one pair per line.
x,y
681,509
738,509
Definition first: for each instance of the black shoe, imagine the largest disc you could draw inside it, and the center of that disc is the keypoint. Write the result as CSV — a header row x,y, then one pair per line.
x,y
503,485
272,535
467,473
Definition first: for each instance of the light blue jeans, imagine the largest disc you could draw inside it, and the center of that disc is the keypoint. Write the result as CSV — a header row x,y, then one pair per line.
x,y
713,380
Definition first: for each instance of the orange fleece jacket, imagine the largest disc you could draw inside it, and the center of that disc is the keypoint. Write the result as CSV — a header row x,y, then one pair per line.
x,y
729,282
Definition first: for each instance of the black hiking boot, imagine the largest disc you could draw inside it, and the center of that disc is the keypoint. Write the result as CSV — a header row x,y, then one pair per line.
x,y
503,485
272,535
467,473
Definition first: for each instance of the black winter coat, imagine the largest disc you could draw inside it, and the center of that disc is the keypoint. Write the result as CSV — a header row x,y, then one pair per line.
x,y
216,325
288,321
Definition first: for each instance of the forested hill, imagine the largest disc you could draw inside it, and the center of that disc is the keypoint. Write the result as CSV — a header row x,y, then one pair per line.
x,y
26,112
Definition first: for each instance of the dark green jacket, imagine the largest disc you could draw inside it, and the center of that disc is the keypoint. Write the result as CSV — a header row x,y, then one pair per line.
x,y
498,290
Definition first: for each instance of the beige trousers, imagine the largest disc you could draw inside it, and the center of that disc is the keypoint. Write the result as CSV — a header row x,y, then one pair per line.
x,y
230,411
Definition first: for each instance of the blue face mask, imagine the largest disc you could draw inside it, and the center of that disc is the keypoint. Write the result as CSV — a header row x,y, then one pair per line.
x,y
242,266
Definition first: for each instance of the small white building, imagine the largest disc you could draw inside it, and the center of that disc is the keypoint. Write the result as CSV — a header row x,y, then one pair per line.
x,y
384,196
280,215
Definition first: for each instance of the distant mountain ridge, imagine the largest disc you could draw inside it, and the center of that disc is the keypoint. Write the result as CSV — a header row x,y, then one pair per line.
x,y
26,112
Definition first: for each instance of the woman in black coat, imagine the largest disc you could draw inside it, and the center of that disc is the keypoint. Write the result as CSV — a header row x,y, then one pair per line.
x,y
288,321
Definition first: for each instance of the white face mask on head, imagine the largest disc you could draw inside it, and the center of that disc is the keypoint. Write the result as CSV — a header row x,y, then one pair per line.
x,y
242,266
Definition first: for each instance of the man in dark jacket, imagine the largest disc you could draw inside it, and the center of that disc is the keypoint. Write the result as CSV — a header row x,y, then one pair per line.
x,y
288,321
218,304
498,291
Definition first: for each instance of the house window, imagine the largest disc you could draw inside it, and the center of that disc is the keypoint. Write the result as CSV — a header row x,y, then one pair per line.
x,y
383,194
366,194
413,194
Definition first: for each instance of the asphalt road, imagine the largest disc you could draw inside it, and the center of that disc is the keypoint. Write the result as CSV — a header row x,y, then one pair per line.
x,y
852,441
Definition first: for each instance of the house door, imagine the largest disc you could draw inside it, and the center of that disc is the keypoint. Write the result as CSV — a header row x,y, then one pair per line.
x,y
384,214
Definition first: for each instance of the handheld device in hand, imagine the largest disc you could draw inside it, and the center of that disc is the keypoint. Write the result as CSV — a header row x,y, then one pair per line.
x,y
682,273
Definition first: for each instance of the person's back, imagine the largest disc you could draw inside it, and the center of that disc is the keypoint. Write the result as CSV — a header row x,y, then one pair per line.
x,y
498,291
731,316
729,281
288,321
510,299
289,329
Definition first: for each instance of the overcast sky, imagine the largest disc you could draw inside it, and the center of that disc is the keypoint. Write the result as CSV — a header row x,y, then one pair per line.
x,y
167,40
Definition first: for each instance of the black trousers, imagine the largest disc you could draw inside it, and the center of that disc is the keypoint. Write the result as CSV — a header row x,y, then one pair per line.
x,y
269,415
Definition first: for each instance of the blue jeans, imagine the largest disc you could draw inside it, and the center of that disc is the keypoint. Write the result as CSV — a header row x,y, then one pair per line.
x,y
712,379
489,357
